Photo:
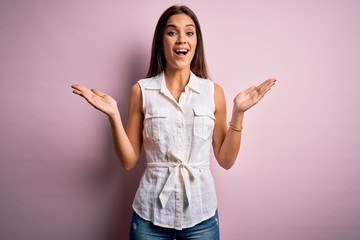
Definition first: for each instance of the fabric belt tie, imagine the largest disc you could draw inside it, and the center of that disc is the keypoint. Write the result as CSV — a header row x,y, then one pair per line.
x,y
187,171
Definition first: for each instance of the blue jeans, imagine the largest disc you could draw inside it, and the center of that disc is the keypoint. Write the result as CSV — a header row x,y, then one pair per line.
x,y
141,229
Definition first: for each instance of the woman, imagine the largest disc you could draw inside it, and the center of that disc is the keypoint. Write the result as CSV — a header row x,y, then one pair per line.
x,y
177,114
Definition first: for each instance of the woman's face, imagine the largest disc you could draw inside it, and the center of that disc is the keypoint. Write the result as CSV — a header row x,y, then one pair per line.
x,y
179,42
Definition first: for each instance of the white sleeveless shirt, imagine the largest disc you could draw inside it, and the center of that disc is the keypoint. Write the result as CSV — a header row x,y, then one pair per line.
x,y
177,189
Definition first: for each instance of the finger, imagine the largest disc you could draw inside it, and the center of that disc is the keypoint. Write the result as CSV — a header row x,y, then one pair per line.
x,y
268,82
271,80
83,92
264,90
80,88
77,86
77,92
266,86
97,92
250,89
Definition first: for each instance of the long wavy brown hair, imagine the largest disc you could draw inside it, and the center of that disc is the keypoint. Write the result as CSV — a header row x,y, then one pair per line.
x,y
158,61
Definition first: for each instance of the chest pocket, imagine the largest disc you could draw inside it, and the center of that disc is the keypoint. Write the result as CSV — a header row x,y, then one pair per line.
x,y
204,121
155,123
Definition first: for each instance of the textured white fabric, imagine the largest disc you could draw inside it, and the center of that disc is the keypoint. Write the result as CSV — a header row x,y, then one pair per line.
x,y
177,188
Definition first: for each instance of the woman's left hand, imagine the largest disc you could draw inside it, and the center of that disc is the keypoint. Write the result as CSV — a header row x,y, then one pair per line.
x,y
251,96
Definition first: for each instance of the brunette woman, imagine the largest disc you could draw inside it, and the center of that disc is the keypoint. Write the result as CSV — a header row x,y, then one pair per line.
x,y
177,114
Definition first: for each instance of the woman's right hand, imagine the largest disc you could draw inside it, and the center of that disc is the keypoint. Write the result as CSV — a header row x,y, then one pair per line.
x,y
97,99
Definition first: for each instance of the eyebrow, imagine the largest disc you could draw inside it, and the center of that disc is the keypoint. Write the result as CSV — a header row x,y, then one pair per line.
x,y
174,26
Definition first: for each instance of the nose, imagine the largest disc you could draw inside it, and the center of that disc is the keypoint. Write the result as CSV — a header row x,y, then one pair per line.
x,y
181,39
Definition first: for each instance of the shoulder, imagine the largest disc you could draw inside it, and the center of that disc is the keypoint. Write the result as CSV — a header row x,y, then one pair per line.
x,y
136,97
218,91
151,82
135,89
202,85
215,88
203,82
219,97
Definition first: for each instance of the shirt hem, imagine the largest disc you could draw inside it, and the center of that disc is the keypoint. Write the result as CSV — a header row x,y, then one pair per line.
x,y
174,227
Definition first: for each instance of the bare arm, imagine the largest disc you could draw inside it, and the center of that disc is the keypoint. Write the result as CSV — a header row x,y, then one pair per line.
x,y
127,143
226,141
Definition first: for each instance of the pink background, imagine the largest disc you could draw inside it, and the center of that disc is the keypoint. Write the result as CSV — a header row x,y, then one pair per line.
x,y
298,174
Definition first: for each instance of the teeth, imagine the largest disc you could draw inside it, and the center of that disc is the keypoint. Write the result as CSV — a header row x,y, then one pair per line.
x,y
182,51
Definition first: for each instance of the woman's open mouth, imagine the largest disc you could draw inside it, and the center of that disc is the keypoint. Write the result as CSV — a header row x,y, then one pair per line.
x,y
181,52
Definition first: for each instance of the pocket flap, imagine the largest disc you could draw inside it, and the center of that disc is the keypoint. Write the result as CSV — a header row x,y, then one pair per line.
x,y
157,113
202,111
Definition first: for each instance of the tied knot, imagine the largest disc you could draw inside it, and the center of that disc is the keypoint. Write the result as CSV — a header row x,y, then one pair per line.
x,y
177,167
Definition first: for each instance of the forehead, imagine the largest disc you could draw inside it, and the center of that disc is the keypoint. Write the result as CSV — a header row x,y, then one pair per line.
x,y
180,20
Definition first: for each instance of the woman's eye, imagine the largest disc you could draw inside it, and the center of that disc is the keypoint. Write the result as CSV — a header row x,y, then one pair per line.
x,y
190,33
171,33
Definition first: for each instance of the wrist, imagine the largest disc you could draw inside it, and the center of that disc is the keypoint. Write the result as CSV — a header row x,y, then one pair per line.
x,y
234,128
237,119
114,116
237,111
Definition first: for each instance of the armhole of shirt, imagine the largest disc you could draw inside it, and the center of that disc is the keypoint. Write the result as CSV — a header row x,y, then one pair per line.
x,y
142,95
213,95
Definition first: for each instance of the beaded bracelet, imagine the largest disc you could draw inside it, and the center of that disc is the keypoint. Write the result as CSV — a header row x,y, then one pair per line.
x,y
234,128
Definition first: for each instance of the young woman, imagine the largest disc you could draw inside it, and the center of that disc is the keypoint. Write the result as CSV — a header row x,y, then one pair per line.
x,y
177,114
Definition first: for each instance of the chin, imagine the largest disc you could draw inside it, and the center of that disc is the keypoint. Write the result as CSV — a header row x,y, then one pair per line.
x,y
182,67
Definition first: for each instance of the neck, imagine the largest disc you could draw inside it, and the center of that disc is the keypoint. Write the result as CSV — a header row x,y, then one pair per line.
x,y
177,79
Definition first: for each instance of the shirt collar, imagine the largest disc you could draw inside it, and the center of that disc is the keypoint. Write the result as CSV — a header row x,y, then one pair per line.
x,y
158,83
194,83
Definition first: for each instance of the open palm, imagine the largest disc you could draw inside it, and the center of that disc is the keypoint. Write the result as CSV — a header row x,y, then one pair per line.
x,y
101,101
251,96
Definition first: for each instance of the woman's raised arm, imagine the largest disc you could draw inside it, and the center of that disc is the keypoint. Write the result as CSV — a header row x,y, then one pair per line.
x,y
127,142
226,141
